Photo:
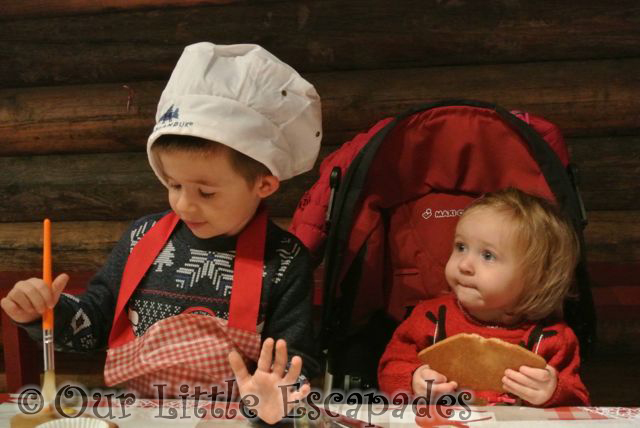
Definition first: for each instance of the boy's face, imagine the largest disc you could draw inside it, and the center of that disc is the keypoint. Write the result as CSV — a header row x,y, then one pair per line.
x,y
484,267
208,195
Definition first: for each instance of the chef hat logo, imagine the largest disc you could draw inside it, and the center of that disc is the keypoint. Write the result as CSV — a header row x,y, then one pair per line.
x,y
170,114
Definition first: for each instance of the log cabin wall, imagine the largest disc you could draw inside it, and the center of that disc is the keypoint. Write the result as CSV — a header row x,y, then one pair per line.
x,y
79,82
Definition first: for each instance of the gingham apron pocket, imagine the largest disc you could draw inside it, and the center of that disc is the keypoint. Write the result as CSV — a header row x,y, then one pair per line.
x,y
183,349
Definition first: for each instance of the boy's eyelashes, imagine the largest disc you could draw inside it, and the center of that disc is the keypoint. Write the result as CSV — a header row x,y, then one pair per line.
x,y
203,193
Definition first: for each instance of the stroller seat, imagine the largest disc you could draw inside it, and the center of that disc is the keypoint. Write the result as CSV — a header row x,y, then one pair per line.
x,y
405,183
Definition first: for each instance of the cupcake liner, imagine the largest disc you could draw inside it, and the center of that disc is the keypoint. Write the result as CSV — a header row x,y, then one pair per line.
x,y
75,423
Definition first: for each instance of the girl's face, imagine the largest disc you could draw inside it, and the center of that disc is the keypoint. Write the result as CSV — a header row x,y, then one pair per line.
x,y
484,267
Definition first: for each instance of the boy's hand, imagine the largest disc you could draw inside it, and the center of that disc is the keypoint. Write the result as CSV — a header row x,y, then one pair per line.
x,y
533,385
440,385
269,381
28,299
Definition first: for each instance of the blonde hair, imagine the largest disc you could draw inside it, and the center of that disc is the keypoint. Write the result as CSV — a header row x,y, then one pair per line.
x,y
248,168
548,246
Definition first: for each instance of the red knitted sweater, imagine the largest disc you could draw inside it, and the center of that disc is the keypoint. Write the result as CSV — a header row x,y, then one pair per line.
x,y
555,341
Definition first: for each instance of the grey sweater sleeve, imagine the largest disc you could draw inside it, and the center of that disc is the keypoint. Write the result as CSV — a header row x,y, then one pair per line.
x,y
289,313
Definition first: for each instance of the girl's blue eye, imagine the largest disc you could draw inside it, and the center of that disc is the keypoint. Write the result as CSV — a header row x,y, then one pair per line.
x,y
459,246
488,256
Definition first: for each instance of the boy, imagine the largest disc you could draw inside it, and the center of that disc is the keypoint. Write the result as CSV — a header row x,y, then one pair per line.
x,y
186,296
510,269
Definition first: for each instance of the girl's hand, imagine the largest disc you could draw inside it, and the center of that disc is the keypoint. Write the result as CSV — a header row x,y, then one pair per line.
x,y
440,385
270,384
533,385
28,299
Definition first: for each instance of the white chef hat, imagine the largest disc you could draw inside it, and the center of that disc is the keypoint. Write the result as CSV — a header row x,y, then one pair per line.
x,y
245,98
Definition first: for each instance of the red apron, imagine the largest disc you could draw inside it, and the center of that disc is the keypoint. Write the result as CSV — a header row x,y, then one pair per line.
x,y
187,349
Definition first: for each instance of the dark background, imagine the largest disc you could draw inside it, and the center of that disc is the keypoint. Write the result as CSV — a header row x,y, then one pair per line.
x,y
79,83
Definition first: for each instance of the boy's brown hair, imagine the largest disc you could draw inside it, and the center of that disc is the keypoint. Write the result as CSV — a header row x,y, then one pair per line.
x,y
248,168
548,245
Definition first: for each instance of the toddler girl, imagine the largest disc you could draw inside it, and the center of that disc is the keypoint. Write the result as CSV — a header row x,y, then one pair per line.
x,y
510,269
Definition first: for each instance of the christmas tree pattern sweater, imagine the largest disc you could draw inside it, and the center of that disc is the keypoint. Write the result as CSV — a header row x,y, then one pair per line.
x,y
442,317
193,275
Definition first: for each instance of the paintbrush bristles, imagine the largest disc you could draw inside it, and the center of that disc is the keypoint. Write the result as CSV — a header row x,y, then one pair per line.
x,y
49,387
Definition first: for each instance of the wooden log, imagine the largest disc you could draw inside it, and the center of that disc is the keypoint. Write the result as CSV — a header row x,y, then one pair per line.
x,y
87,118
604,273
612,239
111,186
310,36
608,170
49,8
579,97
55,186
78,246
613,236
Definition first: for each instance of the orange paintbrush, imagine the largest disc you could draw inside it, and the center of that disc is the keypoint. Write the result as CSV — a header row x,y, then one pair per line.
x,y
49,384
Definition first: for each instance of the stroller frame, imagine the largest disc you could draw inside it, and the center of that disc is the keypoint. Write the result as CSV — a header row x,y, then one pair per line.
x,y
346,195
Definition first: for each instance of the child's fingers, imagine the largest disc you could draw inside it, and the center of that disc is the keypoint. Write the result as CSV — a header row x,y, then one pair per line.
x,y
35,291
15,312
520,385
541,375
531,389
239,368
522,391
419,389
52,294
304,391
442,388
20,295
429,374
266,355
298,395
294,370
58,285
38,300
280,363
439,378
520,378
38,295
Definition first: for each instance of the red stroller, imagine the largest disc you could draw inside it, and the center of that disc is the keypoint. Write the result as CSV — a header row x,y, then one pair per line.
x,y
408,178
